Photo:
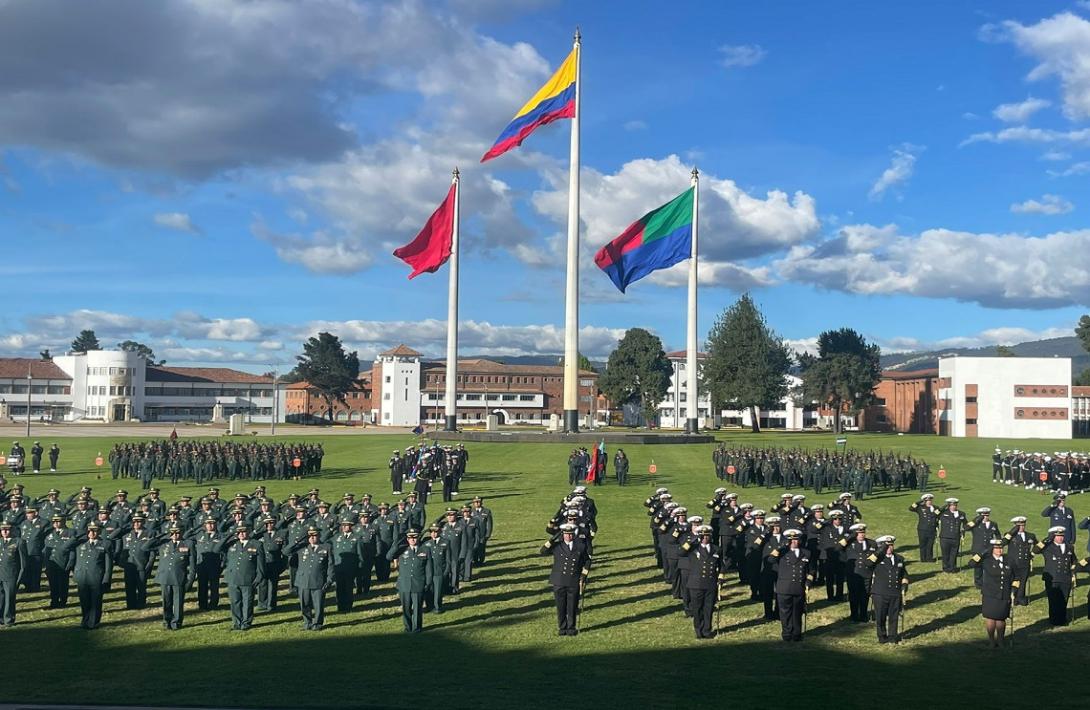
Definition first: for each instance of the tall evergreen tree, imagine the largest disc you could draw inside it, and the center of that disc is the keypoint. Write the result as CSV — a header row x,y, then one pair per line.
x,y
844,373
85,341
140,349
747,362
328,368
638,371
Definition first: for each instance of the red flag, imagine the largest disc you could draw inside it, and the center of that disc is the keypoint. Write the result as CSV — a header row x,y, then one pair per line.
x,y
592,469
431,248
174,434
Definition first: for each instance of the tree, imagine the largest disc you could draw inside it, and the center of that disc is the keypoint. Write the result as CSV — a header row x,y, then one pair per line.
x,y
638,371
1082,332
1083,380
328,368
844,373
131,346
747,362
45,354
584,363
1004,351
85,341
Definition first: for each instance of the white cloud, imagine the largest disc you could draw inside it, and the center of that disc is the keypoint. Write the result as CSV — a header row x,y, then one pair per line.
x,y
1080,168
1055,155
1021,111
178,221
994,270
900,170
1025,134
1006,335
1048,204
1061,46
808,346
734,225
741,55
635,125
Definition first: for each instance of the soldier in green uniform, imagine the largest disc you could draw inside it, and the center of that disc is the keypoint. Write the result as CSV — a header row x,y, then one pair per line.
x,y
94,561
313,577
472,532
176,572
483,516
244,571
367,535
346,564
59,560
454,536
414,574
209,566
441,563
33,531
13,561
272,543
136,562
386,527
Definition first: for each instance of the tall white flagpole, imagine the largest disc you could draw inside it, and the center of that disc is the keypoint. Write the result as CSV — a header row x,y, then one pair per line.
x,y
451,410
692,422
571,311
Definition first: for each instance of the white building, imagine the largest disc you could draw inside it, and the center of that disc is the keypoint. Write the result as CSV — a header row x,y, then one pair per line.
x,y
118,386
787,416
1005,397
674,409
396,383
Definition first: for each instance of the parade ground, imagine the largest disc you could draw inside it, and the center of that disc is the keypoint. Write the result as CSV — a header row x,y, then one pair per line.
x,y
497,645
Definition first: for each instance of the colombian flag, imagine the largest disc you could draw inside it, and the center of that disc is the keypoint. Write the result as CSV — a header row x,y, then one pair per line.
x,y
553,101
659,239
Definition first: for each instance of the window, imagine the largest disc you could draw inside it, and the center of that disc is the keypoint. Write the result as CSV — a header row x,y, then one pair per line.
x,y
881,418
970,421
37,389
683,397
586,383
385,415
509,398
386,396
526,398
880,401
406,381
970,400
387,379
406,395
473,397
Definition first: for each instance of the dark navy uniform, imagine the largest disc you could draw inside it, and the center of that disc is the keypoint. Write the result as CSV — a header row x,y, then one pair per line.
x,y
927,523
705,568
571,563
888,583
792,568
1058,576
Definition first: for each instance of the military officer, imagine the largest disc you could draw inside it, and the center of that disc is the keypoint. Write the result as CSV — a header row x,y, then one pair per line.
x,y
177,569
441,563
94,561
54,455
471,531
136,562
484,519
832,552
36,452
385,527
367,535
571,565
927,525
244,571
312,578
856,551
33,531
620,467
13,561
1058,513
272,543
454,536
889,583
952,524
1059,572
996,588
209,565
792,565
414,574
1021,546
59,560
346,564
705,572
983,532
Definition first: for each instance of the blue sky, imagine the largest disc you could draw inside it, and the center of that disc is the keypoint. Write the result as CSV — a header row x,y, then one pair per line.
x,y
223,179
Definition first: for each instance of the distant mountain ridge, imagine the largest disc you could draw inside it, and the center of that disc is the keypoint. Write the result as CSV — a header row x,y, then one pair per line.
x,y
1051,347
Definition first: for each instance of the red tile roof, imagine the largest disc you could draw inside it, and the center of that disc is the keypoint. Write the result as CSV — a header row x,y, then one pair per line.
x,y
402,350
480,365
680,354
909,374
16,367
203,374
1080,391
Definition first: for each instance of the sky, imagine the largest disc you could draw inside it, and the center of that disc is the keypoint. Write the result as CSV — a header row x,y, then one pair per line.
x,y
221,179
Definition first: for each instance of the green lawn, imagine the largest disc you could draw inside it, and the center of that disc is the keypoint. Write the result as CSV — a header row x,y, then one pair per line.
x,y
497,643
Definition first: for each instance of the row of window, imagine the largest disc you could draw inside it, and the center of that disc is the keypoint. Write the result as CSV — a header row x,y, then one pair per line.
x,y
157,391
112,391
432,396
111,370
35,389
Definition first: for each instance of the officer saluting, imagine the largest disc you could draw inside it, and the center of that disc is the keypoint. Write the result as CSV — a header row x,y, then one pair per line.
x,y
312,578
705,566
792,567
997,583
177,570
244,571
415,572
1021,548
571,563
889,582
927,524
1059,573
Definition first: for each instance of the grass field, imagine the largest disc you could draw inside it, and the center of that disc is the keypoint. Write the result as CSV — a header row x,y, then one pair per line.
x,y
497,644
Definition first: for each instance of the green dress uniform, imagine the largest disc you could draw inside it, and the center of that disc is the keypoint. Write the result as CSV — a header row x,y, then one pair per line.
x,y
367,535
176,572
209,569
414,575
346,567
136,562
59,560
441,563
244,570
472,536
313,577
483,516
272,543
13,560
94,561
454,536
33,532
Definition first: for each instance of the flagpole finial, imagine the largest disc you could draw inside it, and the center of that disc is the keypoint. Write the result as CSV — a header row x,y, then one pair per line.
x,y
695,173
455,172
578,35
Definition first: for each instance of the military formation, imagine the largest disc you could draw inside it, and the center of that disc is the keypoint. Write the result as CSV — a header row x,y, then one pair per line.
x,y
423,466
1059,471
855,472
180,461
591,466
571,545
243,546
781,555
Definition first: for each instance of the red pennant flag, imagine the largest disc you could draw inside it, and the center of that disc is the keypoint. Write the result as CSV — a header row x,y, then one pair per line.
x,y
592,469
431,248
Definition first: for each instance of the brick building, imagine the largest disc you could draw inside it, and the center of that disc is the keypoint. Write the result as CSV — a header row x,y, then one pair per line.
x,y
904,402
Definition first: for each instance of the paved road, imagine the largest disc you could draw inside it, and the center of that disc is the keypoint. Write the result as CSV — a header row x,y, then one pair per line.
x,y
43,432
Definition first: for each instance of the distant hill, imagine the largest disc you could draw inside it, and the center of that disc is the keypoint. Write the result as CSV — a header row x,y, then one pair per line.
x,y
600,366
1053,347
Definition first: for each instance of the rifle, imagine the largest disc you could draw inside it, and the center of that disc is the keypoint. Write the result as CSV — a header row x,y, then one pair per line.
x,y
718,604
805,607
1074,584
1012,623
902,618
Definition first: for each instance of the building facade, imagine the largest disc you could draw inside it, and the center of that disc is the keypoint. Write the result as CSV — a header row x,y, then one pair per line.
x,y
1005,397
904,402
1080,411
